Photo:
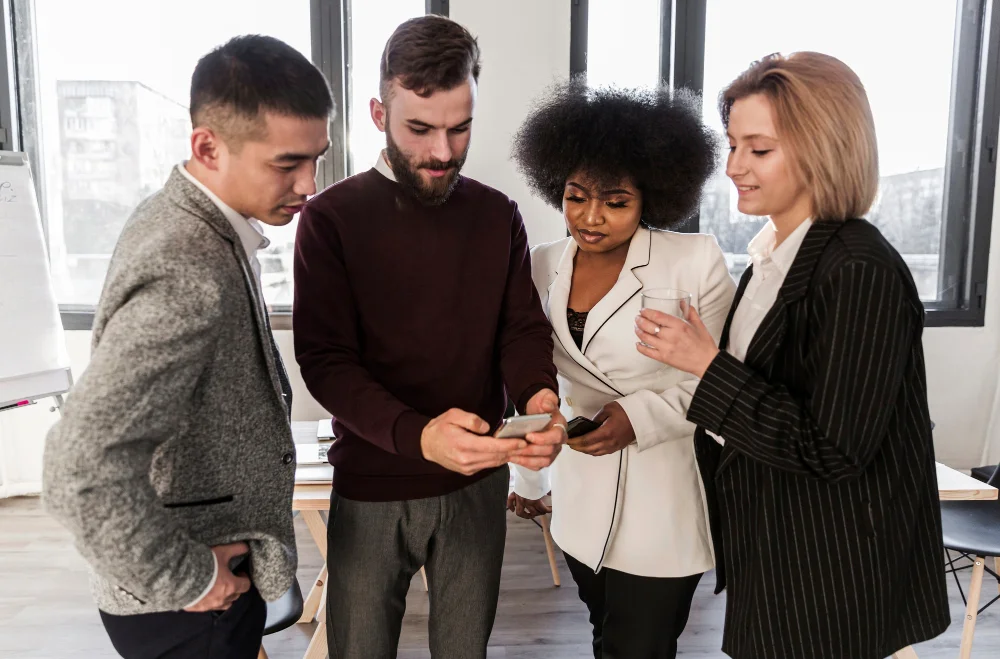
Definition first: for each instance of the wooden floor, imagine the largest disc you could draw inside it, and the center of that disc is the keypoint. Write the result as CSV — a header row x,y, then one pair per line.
x,y
46,611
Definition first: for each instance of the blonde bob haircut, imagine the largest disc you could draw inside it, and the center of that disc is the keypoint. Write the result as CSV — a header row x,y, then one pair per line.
x,y
822,114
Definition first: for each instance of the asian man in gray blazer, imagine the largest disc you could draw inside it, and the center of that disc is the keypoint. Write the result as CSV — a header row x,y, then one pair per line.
x,y
173,464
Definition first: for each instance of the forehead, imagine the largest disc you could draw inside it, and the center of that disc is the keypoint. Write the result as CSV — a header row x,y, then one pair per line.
x,y
752,115
443,108
288,133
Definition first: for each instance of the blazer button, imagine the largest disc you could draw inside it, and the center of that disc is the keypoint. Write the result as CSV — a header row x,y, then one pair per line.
x,y
287,458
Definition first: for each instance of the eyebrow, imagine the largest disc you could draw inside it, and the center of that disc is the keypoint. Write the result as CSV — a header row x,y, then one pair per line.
x,y
423,124
299,157
753,136
605,193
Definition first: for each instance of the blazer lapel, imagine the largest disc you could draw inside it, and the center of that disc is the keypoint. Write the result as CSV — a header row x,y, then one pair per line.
x,y
558,301
626,288
194,201
769,336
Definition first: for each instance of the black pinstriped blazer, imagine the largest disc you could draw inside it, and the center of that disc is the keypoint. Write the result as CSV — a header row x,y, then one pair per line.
x,y
823,501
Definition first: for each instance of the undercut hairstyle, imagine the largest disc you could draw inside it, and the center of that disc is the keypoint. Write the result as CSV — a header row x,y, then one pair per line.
x,y
235,84
428,54
821,112
653,137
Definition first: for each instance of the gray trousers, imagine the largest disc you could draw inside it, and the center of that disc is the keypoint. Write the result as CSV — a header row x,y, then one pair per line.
x,y
375,548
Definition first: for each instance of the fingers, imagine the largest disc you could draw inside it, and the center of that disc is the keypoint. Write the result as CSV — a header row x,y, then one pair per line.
x,y
534,450
242,585
552,436
534,464
492,445
466,421
662,319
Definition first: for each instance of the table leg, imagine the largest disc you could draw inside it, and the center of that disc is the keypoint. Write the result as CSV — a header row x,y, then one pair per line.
x,y
314,521
313,603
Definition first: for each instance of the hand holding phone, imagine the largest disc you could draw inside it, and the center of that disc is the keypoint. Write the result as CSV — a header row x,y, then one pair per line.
x,y
581,425
519,426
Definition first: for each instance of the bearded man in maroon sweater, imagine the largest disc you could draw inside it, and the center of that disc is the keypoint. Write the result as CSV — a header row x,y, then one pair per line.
x,y
415,319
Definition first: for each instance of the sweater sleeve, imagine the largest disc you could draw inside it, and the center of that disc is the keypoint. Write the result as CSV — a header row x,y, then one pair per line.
x,y
327,348
525,339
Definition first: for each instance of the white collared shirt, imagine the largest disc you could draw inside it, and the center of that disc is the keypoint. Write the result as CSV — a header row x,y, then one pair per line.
x,y
383,168
770,266
248,229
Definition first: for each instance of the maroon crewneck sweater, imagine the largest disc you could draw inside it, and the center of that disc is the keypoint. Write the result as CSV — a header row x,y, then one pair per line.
x,y
404,311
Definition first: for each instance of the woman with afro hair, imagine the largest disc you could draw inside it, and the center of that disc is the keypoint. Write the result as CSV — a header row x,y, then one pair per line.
x,y
626,167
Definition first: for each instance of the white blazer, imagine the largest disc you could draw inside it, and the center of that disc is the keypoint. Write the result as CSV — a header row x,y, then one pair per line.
x,y
641,510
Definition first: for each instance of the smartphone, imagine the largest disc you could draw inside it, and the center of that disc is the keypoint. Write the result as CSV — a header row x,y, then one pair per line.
x,y
516,427
581,425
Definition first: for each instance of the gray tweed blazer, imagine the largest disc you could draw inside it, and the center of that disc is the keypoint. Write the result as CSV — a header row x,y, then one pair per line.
x,y
176,438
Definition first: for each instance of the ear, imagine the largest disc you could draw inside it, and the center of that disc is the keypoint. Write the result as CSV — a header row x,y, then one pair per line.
x,y
379,113
206,147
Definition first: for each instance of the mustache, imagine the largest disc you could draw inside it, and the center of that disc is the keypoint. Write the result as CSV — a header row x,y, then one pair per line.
x,y
439,164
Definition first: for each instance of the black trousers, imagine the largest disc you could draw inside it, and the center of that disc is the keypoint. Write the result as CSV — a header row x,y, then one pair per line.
x,y
634,617
231,634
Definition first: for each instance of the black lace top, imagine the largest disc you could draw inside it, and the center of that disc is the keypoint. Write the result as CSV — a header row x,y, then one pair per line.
x,y
577,321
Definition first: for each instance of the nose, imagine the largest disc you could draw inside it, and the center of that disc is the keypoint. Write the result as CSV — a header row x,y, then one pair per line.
x,y
305,183
594,216
440,147
736,164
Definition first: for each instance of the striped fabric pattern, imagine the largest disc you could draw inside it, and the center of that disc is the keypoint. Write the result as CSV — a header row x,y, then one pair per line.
x,y
824,501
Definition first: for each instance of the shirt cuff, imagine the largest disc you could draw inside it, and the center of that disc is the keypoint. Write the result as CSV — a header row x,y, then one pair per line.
x,y
211,584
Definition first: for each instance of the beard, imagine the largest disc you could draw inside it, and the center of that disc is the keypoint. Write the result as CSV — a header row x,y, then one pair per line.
x,y
407,174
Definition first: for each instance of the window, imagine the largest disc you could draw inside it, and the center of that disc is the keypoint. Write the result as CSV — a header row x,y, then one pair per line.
x,y
101,110
372,23
934,96
623,42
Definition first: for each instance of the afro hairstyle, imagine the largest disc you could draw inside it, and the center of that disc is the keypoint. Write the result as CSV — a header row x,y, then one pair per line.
x,y
654,137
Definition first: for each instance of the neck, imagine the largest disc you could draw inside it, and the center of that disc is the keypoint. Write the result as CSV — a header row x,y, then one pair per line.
x,y
787,222
612,258
206,177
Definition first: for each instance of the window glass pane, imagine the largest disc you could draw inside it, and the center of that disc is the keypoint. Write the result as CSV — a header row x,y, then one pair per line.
x,y
113,83
372,23
909,89
623,42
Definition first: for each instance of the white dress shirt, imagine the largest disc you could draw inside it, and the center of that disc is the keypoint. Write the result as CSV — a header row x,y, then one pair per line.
x,y
252,238
383,168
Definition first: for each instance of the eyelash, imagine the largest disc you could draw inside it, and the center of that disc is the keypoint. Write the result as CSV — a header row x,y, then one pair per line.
x,y
611,204
758,153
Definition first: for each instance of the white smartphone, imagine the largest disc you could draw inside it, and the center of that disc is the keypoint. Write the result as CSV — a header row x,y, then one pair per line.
x,y
516,427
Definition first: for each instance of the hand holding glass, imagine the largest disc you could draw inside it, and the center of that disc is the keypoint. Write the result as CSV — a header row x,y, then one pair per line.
x,y
667,300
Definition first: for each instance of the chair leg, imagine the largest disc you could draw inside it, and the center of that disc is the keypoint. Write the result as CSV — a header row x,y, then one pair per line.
x,y
262,654
550,549
905,653
996,563
312,603
317,646
972,608
423,575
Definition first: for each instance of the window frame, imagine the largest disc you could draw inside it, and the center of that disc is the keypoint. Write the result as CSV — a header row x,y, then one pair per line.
x,y
970,173
19,125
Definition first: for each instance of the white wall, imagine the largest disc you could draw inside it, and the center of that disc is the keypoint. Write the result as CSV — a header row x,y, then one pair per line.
x,y
525,47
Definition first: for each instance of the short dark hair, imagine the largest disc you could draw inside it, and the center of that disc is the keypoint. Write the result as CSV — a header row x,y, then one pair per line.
x,y
236,83
655,137
428,54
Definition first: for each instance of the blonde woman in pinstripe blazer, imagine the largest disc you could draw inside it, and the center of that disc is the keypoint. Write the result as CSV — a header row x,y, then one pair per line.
x,y
814,436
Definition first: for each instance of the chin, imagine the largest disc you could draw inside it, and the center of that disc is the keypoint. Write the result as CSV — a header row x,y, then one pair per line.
x,y
750,209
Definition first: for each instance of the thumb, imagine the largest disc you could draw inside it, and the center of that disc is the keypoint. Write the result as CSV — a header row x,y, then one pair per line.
x,y
471,422
226,552
695,319
550,402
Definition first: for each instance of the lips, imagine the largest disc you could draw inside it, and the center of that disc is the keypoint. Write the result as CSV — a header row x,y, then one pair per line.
x,y
591,237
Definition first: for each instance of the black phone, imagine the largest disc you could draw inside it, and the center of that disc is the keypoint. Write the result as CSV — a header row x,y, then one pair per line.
x,y
581,425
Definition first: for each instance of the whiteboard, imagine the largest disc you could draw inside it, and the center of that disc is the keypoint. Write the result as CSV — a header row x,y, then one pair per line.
x,y
33,358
